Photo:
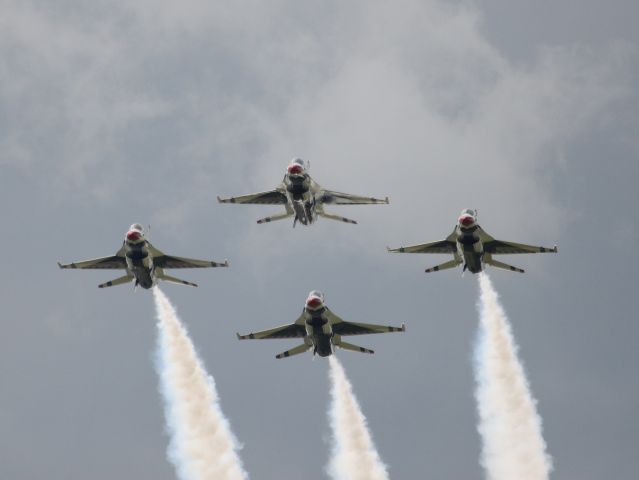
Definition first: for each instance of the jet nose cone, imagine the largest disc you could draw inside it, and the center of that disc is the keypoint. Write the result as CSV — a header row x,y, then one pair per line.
x,y
295,169
313,302
133,235
466,220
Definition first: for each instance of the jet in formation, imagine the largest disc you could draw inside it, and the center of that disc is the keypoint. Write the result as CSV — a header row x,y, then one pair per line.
x,y
321,330
471,246
302,198
143,263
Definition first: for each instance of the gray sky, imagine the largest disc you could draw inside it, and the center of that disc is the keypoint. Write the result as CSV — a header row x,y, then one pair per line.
x,y
113,114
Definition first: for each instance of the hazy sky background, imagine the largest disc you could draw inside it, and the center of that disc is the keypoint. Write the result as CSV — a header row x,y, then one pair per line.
x,y
113,113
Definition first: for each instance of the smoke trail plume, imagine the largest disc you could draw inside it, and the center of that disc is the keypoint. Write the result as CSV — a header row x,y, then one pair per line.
x,y
509,426
202,446
354,456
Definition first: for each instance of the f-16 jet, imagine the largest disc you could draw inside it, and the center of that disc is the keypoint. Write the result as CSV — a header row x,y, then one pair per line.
x,y
471,246
302,198
143,263
320,329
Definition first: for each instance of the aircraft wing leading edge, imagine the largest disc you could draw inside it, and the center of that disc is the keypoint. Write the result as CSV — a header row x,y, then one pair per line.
x,y
448,245
168,261
272,197
292,330
441,246
342,327
102,263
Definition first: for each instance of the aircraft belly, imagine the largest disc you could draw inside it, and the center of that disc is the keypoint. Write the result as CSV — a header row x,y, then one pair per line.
x,y
472,260
300,211
298,186
304,210
142,276
322,343
137,256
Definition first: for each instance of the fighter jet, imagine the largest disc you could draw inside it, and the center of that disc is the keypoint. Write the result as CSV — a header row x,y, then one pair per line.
x,y
302,197
321,330
471,246
143,263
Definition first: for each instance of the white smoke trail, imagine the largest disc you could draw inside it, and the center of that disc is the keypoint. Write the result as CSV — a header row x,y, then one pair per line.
x,y
354,456
510,428
202,446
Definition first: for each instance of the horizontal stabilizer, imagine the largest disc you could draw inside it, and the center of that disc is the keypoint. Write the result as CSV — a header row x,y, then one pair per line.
x,y
497,264
293,351
160,275
337,341
330,216
354,348
117,281
444,266
274,218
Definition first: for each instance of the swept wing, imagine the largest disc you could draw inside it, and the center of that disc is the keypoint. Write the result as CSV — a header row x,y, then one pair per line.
x,y
501,247
161,260
272,197
343,328
293,330
116,261
448,245
337,198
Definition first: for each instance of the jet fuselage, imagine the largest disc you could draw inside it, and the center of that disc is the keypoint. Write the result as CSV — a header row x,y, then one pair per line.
x,y
301,197
138,261
469,245
318,329
470,248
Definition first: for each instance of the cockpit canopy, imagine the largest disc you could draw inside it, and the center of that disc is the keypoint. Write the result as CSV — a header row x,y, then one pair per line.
x,y
316,293
468,211
137,227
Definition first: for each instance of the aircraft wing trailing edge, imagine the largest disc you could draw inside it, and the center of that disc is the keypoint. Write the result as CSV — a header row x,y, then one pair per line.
x,y
344,328
167,261
337,198
162,260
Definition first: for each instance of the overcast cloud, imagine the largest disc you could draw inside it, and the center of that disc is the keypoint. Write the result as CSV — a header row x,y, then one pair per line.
x,y
113,113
